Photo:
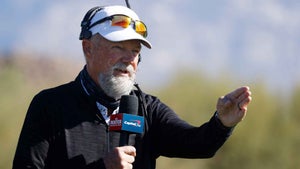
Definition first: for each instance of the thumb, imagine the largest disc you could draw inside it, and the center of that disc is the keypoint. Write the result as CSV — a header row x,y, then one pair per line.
x,y
130,150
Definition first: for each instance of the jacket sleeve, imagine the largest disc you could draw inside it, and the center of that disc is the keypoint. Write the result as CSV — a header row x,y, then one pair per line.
x,y
177,138
33,142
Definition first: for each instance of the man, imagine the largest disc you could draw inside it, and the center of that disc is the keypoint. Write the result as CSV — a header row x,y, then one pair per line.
x,y
67,126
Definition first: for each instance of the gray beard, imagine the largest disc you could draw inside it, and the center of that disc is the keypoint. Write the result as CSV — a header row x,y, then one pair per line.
x,y
116,86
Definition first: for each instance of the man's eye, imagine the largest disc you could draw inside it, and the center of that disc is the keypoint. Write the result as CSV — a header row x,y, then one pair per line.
x,y
135,51
118,47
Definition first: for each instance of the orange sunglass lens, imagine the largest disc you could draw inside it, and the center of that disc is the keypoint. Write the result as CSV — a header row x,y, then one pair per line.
x,y
122,21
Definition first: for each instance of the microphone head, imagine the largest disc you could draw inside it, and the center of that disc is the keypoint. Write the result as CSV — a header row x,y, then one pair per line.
x,y
127,119
129,104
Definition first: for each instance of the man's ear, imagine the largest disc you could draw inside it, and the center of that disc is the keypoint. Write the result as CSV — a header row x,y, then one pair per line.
x,y
86,47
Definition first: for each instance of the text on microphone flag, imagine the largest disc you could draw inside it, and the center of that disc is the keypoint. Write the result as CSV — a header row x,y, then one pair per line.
x,y
126,122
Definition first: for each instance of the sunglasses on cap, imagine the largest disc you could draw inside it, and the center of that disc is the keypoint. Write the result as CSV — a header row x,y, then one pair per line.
x,y
124,21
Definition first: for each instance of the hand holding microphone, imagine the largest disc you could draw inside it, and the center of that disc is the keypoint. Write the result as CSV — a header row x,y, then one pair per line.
x,y
126,122
120,157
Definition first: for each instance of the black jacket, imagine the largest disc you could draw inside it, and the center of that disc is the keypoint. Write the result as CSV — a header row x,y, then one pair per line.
x,y
64,129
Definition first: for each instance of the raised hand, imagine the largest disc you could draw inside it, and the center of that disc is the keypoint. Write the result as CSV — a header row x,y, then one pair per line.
x,y
232,107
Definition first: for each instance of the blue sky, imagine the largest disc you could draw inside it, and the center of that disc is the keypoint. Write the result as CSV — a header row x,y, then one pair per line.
x,y
249,39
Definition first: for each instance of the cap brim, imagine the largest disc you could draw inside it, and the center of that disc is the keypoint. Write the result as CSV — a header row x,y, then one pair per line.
x,y
117,34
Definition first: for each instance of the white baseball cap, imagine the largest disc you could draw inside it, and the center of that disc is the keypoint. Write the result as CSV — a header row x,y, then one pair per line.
x,y
116,33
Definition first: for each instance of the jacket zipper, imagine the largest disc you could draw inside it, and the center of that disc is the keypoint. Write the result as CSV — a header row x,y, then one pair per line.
x,y
108,138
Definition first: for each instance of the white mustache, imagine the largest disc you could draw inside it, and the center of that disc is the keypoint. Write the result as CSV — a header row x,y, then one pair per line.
x,y
124,67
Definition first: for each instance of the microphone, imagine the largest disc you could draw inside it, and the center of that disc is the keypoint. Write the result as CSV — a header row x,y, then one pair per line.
x,y
127,121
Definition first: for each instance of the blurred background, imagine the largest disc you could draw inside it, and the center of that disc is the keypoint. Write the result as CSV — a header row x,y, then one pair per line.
x,y
201,50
